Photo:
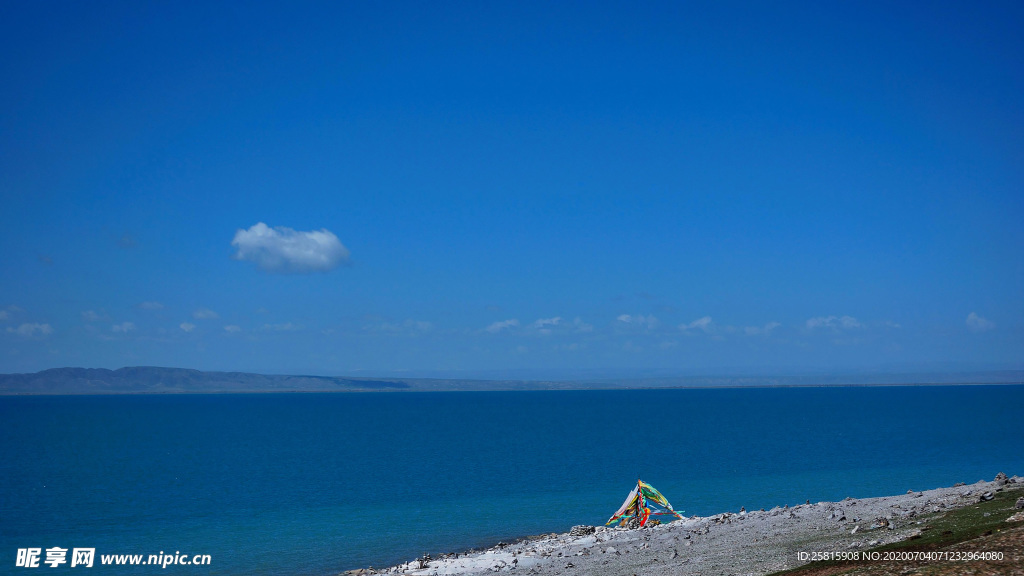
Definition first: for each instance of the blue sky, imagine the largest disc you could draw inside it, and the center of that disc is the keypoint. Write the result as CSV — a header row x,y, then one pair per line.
x,y
487,188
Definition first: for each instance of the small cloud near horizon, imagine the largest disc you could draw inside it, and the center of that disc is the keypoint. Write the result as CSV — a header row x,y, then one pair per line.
x,y
93,316
286,327
282,250
703,323
582,326
232,328
543,322
31,330
544,325
649,322
496,327
976,323
205,314
834,322
123,327
187,327
761,330
409,326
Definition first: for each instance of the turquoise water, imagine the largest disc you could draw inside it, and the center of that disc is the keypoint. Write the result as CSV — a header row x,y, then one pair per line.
x,y
321,483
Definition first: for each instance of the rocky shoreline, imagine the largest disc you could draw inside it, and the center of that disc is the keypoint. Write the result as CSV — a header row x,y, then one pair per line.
x,y
755,542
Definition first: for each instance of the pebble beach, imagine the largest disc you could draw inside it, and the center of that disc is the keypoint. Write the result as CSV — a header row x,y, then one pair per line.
x,y
742,542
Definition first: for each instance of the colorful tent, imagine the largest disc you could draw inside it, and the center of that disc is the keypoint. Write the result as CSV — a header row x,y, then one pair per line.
x,y
638,506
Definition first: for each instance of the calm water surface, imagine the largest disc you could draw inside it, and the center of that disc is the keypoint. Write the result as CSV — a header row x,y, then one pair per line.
x,y
320,483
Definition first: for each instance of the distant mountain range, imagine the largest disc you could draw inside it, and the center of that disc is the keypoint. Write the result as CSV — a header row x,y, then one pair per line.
x,y
152,380
155,380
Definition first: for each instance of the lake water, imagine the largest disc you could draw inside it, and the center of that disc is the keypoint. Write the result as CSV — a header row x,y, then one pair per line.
x,y
320,483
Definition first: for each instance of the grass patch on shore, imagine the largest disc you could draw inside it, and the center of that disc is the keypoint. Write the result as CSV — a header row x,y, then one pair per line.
x,y
939,531
962,524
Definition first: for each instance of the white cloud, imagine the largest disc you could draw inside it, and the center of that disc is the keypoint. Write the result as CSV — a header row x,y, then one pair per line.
x,y
123,327
32,330
703,323
850,322
92,316
410,326
286,327
649,322
187,327
544,322
286,251
419,325
766,329
3,314
544,325
231,328
834,322
151,305
582,326
205,314
976,323
499,326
